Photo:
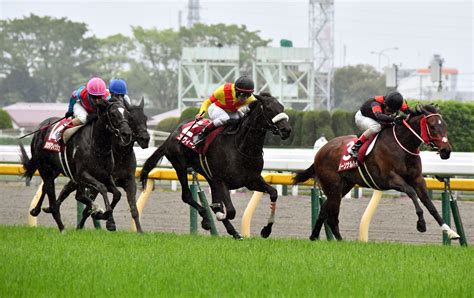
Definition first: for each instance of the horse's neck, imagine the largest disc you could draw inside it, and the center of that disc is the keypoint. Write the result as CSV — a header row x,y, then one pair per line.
x,y
101,137
249,140
407,138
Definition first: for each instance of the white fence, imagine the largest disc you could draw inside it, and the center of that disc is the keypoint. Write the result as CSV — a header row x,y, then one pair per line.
x,y
459,164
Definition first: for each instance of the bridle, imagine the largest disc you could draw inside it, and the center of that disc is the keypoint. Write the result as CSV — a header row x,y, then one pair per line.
x,y
114,127
425,137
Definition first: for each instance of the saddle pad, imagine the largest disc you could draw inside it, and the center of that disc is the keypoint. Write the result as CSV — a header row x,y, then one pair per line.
x,y
68,133
191,130
52,140
347,162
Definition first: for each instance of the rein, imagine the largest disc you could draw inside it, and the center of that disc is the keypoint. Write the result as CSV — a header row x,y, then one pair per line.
x,y
425,134
113,128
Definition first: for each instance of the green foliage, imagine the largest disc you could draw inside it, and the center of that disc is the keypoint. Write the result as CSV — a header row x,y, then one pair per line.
x,y
44,58
308,128
170,265
342,122
355,84
5,120
188,114
168,124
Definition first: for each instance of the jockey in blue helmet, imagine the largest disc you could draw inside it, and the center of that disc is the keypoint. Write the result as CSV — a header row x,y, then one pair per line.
x,y
119,87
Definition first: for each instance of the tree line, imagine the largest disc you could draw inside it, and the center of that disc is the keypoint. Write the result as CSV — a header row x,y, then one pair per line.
x,y
43,59
308,126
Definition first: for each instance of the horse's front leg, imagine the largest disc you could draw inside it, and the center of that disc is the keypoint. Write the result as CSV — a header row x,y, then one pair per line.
x,y
398,183
130,186
258,184
111,187
420,188
88,180
220,194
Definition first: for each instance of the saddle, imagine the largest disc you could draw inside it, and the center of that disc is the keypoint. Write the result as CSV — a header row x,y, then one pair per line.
x,y
347,162
59,134
191,130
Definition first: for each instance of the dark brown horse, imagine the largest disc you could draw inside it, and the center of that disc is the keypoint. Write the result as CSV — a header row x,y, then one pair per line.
x,y
394,163
232,161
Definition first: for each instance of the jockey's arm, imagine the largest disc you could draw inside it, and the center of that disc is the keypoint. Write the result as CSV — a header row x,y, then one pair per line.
x,y
383,118
80,114
205,105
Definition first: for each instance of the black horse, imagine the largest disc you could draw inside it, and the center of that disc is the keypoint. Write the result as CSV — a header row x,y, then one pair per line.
x,y
124,167
394,164
88,159
232,161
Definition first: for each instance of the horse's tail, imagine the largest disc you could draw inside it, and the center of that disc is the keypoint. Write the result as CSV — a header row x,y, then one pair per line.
x,y
28,164
302,176
150,163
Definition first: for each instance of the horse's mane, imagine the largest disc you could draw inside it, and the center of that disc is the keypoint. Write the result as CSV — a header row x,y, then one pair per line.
x,y
426,109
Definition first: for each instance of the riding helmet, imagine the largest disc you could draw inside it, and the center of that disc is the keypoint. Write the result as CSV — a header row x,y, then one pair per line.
x,y
118,86
96,86
394,100
244,84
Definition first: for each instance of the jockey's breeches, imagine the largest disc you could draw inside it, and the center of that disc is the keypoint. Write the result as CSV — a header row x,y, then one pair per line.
x,y
366,124
80,112
219,116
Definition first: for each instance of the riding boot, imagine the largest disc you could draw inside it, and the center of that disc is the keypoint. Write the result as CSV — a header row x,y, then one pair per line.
x,y
203,134
354,151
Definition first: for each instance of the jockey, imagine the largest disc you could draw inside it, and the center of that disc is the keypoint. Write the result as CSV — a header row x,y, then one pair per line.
x,y
84,100
375,112
119,87
224,104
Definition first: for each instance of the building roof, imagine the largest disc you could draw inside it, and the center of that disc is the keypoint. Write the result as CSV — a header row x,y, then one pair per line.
x,y
31,114
157,118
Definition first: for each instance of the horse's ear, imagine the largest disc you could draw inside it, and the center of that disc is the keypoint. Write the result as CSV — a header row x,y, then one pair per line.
x,y
253,104
142,103
258,97
126,104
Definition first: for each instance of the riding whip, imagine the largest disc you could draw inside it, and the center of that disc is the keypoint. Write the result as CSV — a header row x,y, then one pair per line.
x,y
41,128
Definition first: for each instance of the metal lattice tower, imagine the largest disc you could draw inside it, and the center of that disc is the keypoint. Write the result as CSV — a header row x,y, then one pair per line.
x,y
202,69
321,40
193,12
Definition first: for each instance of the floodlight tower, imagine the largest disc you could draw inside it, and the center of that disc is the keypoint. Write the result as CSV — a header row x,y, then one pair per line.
x,y
321,40
193,12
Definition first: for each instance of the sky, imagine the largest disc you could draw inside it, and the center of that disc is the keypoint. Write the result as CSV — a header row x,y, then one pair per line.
x,y
418,29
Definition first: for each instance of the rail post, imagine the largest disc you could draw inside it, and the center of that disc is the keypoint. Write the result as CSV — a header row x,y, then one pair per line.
x,y
450,204
205,204
367,216
317,201
192,211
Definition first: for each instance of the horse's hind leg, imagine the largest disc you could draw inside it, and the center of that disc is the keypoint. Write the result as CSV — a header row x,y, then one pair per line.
x,y
65,192
48,188
329,210
87,179
37,209
187,197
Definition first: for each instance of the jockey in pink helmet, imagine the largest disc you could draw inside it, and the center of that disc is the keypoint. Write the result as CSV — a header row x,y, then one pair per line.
x,y
85,99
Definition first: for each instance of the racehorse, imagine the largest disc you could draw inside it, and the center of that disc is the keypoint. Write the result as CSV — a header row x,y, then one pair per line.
x,y
125,164
88,159
232,161
394,163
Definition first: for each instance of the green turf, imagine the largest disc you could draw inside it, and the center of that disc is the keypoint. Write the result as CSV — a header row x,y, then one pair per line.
x,y
41,262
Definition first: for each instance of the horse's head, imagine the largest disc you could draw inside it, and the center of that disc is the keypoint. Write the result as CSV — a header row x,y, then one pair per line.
x,y
272,111
137,119
434,130
115,116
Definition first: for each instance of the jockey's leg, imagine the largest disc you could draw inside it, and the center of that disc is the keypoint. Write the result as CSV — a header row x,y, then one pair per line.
x,y
218,116
370,127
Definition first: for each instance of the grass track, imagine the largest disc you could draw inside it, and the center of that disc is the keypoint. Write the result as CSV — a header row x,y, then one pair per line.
x,y
40,262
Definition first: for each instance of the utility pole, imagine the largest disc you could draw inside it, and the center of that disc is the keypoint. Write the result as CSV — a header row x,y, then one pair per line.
x,y
436,71
193,12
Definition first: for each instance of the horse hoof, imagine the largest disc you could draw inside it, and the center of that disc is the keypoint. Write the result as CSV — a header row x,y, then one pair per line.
x,y
205,224
266,231
237,236
99,215
220,216
313,238
421,226
48,210
34,212
110,226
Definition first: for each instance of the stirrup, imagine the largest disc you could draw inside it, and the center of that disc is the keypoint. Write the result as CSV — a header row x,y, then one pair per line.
x,y
353,153
199,140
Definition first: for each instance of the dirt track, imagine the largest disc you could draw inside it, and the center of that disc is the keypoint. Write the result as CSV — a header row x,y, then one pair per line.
x,y
395,219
